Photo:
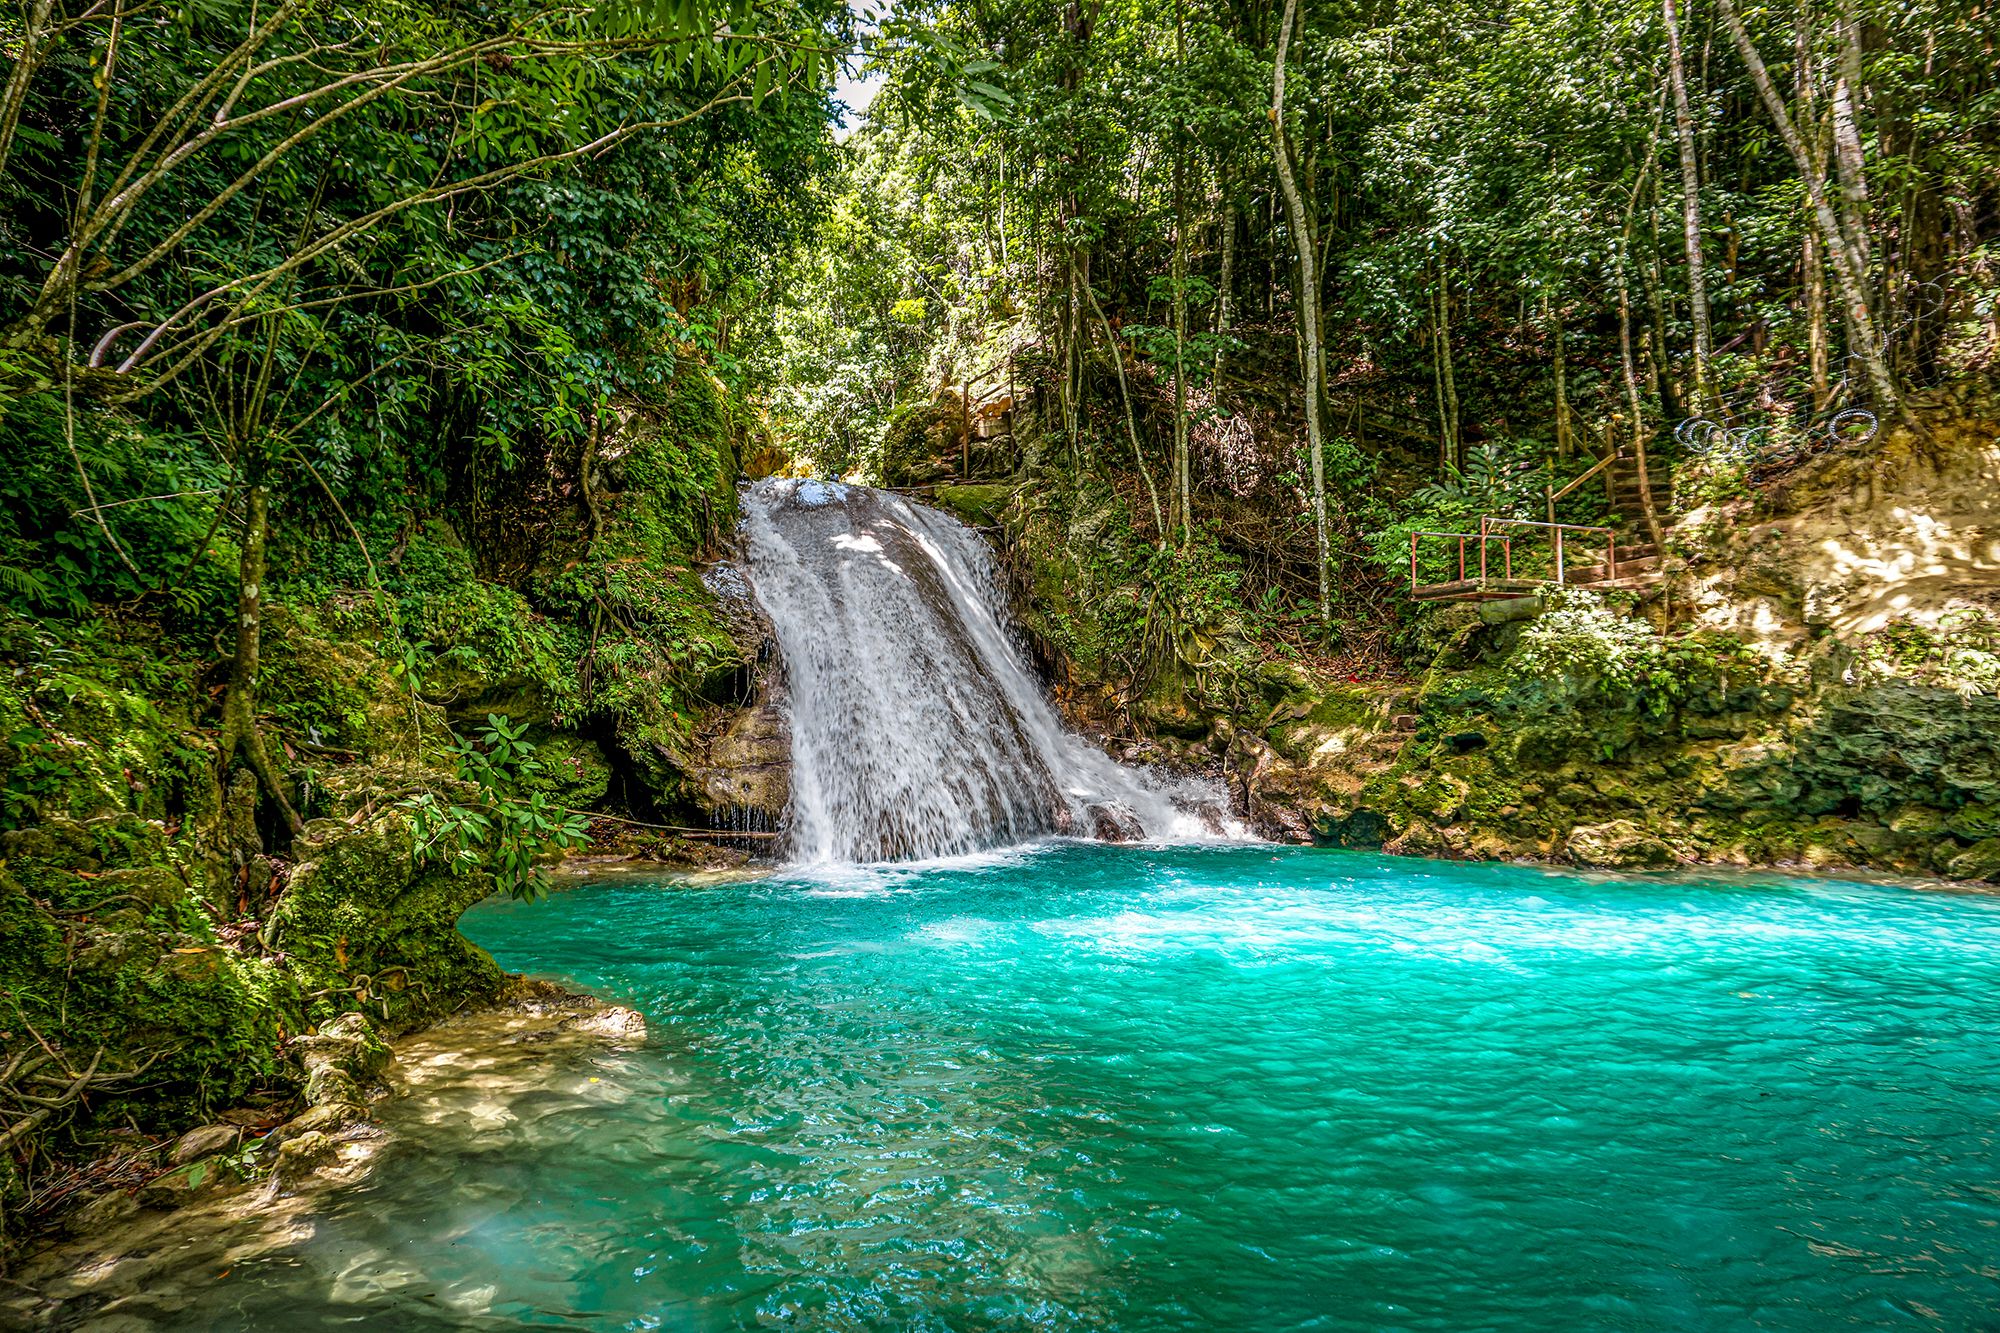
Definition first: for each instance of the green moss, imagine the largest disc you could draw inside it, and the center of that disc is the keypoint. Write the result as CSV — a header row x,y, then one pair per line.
x,y
979,505
365,924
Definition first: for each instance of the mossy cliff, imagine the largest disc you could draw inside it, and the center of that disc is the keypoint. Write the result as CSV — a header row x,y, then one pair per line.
x,y
166,935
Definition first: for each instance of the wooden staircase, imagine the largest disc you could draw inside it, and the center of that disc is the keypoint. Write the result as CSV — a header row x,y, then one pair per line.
x,y
1621,488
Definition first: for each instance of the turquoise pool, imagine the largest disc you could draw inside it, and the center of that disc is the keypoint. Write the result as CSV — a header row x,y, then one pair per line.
x,y
1086,1087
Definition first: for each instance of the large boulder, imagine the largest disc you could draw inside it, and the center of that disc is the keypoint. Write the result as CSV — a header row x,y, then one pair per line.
x,y
1618,844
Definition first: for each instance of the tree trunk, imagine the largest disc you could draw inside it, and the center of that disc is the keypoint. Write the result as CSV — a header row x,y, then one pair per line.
x,y
1553,317
1227,278
1131,422
1632,405
1308,314
1815,300
1812,262
1437,387
1847,152
1690,210
1850,270
1455,436
239,704
1183,491
27,62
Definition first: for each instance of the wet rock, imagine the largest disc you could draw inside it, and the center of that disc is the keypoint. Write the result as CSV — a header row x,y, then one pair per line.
x,y
1979,861
1418,839
1364,829
204,1141
1618,845
1112,822
328,1118
99,1212
362,904
327,1084
183,1183
344,1057
301,1156
744,774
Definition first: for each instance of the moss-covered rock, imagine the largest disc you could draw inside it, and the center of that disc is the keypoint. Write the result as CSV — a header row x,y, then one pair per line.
x,y
921,444
364,920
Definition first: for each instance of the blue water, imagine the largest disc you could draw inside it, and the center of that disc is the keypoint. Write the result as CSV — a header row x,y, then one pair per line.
x,y
1246,1088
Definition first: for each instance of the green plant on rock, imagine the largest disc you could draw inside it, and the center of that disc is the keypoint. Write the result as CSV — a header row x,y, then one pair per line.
x,y
506,828
1583,637
1960,652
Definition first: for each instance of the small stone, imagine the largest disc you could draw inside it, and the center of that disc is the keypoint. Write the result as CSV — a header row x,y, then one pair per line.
x,y
204,1141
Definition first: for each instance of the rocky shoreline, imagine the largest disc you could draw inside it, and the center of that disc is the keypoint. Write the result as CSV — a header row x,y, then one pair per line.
x,y
233,1190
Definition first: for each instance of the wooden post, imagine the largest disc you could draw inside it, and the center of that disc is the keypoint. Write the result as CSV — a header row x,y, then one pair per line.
x,y
1611,555
1461,559
1413,562
1559,555
1507,556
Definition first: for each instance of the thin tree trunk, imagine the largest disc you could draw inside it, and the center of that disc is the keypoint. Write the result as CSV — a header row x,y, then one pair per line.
x,y
1690,210
1847,152
1437,386
1183,491
1815,301
1131,422
28,60
1553,317
1812,262
239,703
1453,431
1632,402
1850,270
1228,277
1308,314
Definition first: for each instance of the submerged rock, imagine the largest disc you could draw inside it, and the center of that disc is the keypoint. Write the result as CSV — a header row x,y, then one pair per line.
x,y
1111,822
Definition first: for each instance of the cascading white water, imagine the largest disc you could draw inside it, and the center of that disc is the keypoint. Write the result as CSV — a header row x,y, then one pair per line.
x,y
917,730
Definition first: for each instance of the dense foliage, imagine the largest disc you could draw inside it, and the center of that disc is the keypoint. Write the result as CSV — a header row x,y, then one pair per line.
x,y
1540,234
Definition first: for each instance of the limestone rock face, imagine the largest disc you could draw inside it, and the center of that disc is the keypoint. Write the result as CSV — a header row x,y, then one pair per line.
x,y
1618,844
744,774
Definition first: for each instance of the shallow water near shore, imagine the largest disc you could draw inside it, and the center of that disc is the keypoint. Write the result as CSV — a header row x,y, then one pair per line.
x,y
1083,1087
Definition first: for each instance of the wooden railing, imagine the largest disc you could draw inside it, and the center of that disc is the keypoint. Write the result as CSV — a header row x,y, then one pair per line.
x,y
1493,530
1506,553
1488,525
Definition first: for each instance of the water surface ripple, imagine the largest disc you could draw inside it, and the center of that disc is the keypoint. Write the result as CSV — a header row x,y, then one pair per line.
x,y
1237,1088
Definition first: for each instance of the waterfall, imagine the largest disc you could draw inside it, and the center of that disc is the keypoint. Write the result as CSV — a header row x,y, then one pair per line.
x,y
917,728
